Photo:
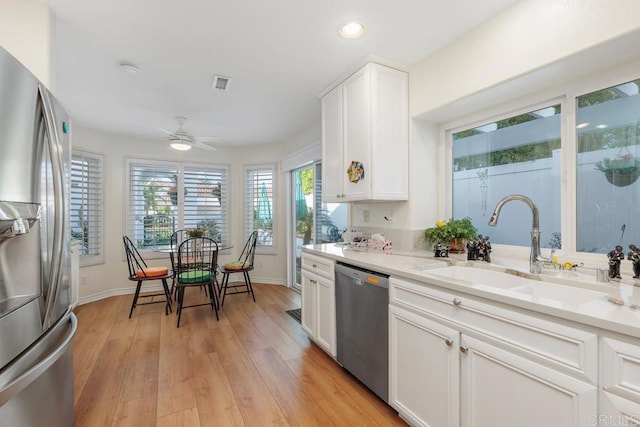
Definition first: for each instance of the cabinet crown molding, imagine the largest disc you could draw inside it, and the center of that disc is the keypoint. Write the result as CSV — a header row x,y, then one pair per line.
x,y
368,59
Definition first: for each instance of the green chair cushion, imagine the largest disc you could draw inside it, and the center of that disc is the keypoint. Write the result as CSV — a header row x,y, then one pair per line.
x,y
194,276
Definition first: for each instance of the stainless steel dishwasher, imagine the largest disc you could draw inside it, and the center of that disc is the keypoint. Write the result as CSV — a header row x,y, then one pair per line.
x,y
362,326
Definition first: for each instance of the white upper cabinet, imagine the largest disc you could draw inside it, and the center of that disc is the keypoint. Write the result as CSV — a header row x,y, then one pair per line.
x,y
365,122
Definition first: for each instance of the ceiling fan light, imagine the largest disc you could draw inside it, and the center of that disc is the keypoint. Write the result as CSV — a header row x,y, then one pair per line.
x,y
180,145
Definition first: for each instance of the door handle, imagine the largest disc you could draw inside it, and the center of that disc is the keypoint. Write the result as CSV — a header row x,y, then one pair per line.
x,y
59,231
464,349
448,342
457,301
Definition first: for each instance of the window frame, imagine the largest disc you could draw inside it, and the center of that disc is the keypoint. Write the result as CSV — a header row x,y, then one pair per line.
x,y
248,206
180,213
565,94
96,258
497,115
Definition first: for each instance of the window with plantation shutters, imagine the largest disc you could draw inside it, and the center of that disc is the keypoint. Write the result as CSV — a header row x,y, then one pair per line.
x,y
168,196
206,201
86,205
259,208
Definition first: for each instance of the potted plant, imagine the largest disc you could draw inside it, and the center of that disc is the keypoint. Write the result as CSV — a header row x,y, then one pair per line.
x,y
620,171
453,233
196,232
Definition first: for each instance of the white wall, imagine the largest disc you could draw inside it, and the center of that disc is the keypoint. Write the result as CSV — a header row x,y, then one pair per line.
x,y
529,36
27,31
308,136
110,278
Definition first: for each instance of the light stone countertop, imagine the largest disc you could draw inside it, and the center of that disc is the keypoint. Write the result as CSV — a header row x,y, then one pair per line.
x,y
573,296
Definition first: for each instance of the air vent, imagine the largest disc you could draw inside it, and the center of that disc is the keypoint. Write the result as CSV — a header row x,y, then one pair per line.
x,y
221,83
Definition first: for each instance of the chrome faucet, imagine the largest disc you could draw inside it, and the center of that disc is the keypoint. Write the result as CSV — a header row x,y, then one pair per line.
x,y
536,260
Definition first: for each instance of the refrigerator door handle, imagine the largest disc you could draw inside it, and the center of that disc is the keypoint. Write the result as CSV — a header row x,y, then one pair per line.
x,y
22,380
55,152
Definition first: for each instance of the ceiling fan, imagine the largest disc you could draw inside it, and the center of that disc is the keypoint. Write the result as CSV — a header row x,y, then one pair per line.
x,y
182,141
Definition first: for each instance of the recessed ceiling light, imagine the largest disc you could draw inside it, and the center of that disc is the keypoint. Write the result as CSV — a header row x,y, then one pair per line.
x,y
129,68
352,30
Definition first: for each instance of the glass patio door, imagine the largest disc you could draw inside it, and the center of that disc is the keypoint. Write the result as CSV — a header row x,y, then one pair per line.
x,y
313,222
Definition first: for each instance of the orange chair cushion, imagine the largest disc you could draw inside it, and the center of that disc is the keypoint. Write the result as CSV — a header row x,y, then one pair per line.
x,y
152,272
234,265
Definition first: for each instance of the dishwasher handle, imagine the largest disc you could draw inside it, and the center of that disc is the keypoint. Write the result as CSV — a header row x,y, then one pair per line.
x,y
361,276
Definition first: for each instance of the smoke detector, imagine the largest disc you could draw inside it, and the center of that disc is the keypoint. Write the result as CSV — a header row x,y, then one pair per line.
x,y
129,68
221,83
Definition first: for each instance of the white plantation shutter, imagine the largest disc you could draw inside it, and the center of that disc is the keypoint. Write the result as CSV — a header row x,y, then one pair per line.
x,y
166,196
86,203
206,201
152,214
259,207
319,213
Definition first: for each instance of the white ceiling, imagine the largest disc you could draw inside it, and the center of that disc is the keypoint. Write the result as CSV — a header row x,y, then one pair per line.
x,y
279,54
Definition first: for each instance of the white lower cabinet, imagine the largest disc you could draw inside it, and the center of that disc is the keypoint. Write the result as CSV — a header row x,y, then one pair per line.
x,y
456,361
424,369
318,314
326,316
500,388
619,383
308,310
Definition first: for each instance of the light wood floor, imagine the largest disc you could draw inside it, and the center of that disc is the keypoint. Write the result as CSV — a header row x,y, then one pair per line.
x,y
255,367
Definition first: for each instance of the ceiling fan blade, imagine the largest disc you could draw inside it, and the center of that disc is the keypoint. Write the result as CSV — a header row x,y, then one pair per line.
x,y
203,146
165,131
206,139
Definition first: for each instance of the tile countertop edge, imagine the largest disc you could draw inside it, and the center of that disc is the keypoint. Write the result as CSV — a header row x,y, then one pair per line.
x,y
611,317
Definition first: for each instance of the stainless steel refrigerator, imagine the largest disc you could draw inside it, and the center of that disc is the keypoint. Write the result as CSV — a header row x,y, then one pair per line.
x,y
36,323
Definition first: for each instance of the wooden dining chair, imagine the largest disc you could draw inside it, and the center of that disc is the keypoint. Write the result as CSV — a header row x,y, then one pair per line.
x,y
243,265
197,266
139,272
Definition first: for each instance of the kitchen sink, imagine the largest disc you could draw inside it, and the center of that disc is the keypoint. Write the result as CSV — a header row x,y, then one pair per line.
x,y
480,277
554,294
521,285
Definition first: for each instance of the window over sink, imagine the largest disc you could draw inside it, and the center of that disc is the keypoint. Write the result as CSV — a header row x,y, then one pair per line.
x,y
577,158
608,168
517,154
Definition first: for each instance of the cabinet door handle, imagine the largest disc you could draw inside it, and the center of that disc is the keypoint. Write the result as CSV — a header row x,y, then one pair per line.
x,y
464,350
314,265
448,342
457,301
338,195
313,281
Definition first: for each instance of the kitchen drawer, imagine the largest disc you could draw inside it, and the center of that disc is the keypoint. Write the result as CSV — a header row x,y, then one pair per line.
x,y
321,266
620,368
563,347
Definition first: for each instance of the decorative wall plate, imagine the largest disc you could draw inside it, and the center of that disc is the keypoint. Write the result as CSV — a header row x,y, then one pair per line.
x,y
355,171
